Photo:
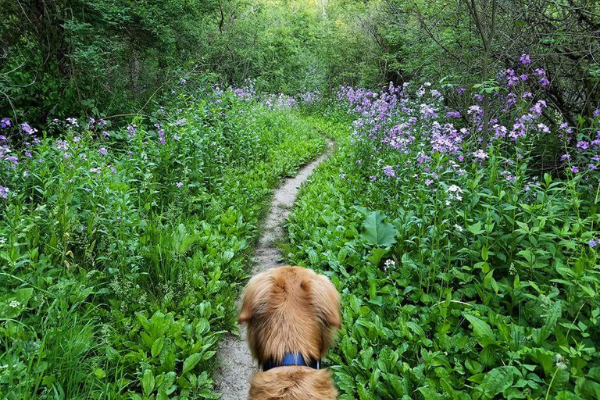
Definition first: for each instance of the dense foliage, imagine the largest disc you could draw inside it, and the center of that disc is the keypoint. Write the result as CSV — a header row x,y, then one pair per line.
x,y
123,251
458,218
465,273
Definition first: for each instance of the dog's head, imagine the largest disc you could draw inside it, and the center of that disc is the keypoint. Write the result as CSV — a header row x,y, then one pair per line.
x,y
290,309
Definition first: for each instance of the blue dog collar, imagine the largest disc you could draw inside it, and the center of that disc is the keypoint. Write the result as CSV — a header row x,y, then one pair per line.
x,y
292,359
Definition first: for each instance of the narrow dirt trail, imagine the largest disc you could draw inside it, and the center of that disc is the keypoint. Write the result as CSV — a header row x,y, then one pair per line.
x,y
236,364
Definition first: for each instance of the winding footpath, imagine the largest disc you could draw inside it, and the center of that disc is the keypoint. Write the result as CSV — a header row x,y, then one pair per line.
x,y
236,365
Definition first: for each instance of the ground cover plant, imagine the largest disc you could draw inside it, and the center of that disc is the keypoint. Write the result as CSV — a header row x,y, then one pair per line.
x,y
467,270
122,251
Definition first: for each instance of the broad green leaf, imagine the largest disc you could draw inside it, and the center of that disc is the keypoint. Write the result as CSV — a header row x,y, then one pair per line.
x,y
148,382
482,330
377,232
498,380
191,362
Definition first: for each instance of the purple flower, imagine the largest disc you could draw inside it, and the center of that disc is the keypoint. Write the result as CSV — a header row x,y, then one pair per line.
x,y
76,139
4,192
583,145
131,129
565,157
575,169
428,182
180,121
179,184
388,170
5,123
592,243
182,81
73,121
452,114
480,155
373,178
102,151
461,90
525,59
28,129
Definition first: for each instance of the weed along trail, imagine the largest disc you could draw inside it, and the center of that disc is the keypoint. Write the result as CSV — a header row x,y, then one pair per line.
x,y
235,362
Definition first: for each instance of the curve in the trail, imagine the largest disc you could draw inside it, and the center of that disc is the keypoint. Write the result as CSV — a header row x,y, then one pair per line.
x,y
236,365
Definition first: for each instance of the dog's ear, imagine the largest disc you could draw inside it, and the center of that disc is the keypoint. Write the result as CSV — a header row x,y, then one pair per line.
x,y
255,294
326,301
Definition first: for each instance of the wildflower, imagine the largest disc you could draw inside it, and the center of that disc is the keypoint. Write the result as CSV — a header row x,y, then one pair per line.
x,y
525,59
596,113
480,155
389,264
5,123
458,227
76,139
593,243
388,170
358,162
342,176
560,362
28,129
527,95
14,304
543,128
131,129
452,114
583,145
180,121
182,81
565,157
454,189
461,90
428,182
4,192
373,178
179,184
102,151
73,122
575,169
95,170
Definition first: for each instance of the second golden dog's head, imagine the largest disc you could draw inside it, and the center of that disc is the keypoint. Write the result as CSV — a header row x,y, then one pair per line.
x,y
290,309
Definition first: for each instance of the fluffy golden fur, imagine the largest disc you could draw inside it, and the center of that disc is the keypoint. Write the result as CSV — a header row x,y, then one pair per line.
x,y
290,309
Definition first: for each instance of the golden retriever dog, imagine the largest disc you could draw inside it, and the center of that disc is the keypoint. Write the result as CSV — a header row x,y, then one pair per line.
x,y
292,315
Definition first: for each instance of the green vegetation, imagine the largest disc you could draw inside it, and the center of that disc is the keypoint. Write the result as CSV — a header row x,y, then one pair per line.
x,y
122,256
458,217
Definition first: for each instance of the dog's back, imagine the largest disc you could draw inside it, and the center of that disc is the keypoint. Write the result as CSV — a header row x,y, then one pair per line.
x,y
292,383
290,310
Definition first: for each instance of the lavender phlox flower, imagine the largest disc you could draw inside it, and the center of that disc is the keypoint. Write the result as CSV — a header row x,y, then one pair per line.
x,y
388,170
62,145
182,81
102,151
96,170
73,122
179,184
428,112
480,155
525,59
565,157
592,243
583,145
5,123
181,121
4,191
28,129
428,182
461,90
543,128
574,169
131,130
453,114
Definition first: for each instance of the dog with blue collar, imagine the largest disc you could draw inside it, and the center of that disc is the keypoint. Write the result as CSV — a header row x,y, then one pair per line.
x,y
292,314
